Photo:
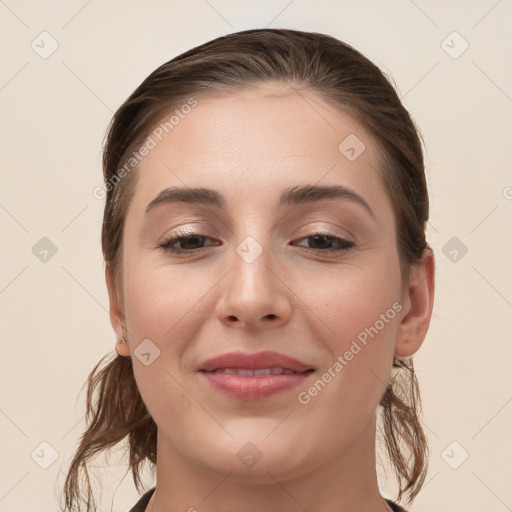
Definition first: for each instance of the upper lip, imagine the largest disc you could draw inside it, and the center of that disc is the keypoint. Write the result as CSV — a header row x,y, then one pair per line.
x,y
258,361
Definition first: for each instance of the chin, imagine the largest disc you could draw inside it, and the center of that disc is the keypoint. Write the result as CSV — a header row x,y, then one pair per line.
x,y
254,459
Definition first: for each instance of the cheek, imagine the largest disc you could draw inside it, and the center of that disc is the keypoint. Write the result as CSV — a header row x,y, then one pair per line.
x,y
359,310
163,305
351,298
162,301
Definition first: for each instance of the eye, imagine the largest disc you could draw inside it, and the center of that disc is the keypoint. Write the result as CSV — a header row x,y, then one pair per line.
x,y
326,243
189,242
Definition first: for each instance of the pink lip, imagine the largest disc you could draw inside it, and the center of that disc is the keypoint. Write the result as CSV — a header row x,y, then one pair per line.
x,y
258,361
254,387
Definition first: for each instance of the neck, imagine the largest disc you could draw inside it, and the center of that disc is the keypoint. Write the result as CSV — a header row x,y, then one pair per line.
x,y
344,482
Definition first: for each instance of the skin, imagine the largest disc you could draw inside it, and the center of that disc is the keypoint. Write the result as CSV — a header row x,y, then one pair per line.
x,y
249,146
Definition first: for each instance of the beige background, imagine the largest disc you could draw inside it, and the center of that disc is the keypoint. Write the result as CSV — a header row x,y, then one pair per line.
x,y
55,110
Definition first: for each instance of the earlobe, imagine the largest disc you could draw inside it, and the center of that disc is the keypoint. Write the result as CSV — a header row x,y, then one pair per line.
x,y
418,303
116,314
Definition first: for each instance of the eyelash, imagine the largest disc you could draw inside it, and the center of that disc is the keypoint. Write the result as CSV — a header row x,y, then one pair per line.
x,y
166,245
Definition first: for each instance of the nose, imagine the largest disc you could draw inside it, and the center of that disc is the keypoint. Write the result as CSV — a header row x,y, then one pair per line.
x,y
254,293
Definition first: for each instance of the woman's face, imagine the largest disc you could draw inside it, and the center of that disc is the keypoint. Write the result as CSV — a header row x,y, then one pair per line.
x,y
255,278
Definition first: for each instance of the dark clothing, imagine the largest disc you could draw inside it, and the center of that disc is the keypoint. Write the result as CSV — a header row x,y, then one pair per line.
x,y
395,506
143,503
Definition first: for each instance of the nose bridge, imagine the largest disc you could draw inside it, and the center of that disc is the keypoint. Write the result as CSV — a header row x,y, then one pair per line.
x,y
251,278
252,293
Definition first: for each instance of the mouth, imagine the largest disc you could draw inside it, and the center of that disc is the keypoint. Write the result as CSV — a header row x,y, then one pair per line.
x,y
245,376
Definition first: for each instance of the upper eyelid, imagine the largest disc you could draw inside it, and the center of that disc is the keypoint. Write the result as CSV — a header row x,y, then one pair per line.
x,y
198,232
194,229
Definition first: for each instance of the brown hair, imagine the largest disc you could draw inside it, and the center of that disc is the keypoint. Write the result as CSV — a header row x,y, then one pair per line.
x,y
340,75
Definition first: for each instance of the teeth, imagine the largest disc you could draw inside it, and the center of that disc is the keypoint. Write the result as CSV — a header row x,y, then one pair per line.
x,y
262,372
242,372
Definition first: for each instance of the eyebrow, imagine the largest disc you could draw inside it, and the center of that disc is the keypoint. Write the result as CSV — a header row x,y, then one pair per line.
x,y
291,196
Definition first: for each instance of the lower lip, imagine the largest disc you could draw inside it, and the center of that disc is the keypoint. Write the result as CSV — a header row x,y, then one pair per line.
x,y
254,388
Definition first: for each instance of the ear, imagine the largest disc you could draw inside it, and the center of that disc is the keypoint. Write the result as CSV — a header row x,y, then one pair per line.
x,y
418,302
116,313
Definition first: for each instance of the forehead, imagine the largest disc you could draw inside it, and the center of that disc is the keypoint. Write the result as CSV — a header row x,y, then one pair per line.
x,y
253,139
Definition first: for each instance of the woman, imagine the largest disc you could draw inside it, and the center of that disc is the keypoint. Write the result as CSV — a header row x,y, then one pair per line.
x,y
269,280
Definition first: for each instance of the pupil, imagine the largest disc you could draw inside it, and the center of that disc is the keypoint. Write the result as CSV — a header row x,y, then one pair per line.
x,y
188,239
321,237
